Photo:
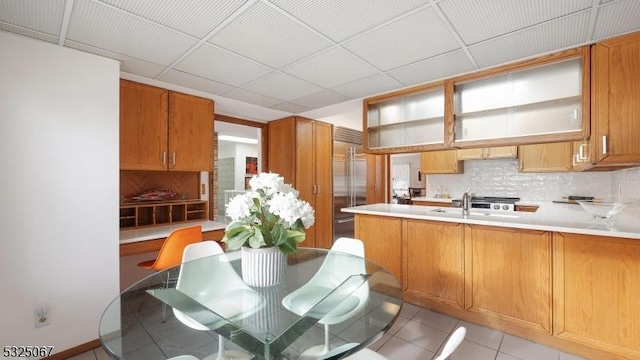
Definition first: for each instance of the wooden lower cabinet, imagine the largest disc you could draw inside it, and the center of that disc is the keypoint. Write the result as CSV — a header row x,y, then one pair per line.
x,y
434,263
381,236
578,293
597,292
508,275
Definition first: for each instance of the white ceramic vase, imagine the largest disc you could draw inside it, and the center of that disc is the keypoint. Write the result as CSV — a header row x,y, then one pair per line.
x,y
263,266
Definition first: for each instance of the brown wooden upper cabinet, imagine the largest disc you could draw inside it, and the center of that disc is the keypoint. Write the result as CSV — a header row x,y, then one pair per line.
x,y
440,162
615,139
164,130
541,100
486,153
552,157
411,120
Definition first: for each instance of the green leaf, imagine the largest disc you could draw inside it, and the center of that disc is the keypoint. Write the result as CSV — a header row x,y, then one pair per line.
x,y
256,240
296,236
235,242
278,234
288,247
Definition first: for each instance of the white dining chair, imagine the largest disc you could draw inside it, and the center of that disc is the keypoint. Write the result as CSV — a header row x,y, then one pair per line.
x,y
334,271
213,283
452,344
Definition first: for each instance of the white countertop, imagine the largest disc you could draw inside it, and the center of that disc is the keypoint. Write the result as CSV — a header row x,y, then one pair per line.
x,y
569,218
159,232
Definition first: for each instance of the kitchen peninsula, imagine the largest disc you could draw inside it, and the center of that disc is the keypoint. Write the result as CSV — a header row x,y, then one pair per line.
x,y
552,276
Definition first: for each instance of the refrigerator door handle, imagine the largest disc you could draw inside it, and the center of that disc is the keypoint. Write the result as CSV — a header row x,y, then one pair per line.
x,y
352,175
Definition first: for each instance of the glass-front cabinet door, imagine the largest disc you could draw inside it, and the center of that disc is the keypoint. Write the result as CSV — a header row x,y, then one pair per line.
x,y
405,123
546,100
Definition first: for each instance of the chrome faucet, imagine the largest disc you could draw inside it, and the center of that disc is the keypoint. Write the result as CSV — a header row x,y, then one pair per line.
x,y
466,201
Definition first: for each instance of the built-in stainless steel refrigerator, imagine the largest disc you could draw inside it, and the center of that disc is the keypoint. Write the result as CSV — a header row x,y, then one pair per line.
x,y
349,178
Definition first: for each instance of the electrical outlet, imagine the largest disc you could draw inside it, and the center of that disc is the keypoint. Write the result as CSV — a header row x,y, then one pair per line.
x,y
41,316
203,189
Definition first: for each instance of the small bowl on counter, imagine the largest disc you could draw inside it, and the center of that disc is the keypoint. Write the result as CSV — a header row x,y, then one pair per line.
x,y
602,211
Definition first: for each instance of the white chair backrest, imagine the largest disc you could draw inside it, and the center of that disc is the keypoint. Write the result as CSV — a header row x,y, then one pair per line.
x,y
200,250
212,282
452,344
338,266
349,245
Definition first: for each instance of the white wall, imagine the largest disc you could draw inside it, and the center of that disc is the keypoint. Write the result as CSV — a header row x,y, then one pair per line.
x,y
59,191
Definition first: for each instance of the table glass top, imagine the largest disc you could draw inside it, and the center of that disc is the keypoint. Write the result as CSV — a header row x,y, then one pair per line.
x,y
279,321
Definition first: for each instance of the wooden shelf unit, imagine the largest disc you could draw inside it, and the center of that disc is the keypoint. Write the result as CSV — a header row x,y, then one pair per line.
x,y
143,214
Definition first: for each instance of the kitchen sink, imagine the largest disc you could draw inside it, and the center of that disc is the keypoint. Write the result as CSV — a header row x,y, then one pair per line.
x,y
492,214
447,210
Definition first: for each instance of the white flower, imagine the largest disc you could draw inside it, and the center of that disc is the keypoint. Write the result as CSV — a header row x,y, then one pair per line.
x,y
289,208
271,184
239,207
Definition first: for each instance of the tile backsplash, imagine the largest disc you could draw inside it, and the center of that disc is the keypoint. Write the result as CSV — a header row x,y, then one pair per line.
x,y
502,178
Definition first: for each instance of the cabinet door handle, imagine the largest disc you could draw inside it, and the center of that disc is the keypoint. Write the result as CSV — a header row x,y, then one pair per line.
x,y
604,144
315,189
164,158
582,153
574,160
174,160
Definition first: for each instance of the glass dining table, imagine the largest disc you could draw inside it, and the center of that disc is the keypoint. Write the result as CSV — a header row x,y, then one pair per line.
x,y
141,323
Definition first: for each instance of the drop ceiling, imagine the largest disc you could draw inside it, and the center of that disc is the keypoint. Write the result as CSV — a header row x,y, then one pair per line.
x,y
295,56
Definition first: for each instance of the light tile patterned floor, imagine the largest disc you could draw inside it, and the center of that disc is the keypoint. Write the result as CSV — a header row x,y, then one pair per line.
x,y
420,334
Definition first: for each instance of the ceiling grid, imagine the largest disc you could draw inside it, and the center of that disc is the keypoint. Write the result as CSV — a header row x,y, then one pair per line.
x,y
295,56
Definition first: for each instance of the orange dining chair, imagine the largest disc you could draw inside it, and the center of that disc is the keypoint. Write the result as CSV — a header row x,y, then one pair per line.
x,y
170,254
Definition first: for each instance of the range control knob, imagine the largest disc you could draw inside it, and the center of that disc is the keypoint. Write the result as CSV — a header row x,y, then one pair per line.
x,y
505,207
496,207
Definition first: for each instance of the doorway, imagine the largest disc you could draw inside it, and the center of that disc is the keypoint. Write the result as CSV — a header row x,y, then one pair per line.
x,y
238,157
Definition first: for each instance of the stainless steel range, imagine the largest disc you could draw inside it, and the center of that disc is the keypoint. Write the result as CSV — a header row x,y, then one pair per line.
x,y
496,203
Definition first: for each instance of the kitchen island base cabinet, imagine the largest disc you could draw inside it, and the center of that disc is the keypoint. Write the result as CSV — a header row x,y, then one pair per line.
x,y
381,236
597,292
508,275
434,266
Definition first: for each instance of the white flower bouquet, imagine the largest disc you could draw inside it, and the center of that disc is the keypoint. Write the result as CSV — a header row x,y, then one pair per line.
x,y
270,214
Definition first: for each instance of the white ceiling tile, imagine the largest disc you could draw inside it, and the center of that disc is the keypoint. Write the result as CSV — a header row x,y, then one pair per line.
x,y
290,108
194,82
29,33
282,86
265,35
110,29
42,16
339,20
251,97
617,17
439,67
477,20
211,62
127,63
550,36
319,99
331,68
193,17
368,86
416,37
